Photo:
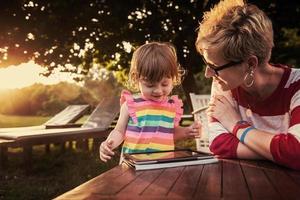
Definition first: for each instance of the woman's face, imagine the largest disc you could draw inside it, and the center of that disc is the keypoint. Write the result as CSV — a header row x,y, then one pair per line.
x,y
228,75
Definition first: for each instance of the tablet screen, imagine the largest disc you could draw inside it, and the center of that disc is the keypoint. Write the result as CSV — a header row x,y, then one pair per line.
x,y
167,156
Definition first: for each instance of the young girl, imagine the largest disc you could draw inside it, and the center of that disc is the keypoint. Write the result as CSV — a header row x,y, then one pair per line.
x,y
149,120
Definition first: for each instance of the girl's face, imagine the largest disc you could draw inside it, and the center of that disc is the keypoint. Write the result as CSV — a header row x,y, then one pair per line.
x,y
156,91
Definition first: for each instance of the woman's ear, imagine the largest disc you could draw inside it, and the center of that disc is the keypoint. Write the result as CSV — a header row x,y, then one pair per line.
x,y
252,62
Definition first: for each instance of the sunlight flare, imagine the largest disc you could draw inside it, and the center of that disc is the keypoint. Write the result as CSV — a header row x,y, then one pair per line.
x,y
27,74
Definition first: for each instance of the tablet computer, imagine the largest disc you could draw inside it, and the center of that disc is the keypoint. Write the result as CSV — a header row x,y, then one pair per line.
x,y
166,156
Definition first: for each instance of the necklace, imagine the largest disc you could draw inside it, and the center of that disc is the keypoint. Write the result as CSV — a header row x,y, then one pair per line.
x,y
254,99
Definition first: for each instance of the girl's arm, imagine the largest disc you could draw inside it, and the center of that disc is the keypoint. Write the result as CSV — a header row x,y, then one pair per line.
x,y
116,136
187,132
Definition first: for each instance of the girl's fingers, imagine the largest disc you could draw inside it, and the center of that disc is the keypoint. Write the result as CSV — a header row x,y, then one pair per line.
x,y
102,158
110,143
105,158
195,129
108,151
195,125
105,152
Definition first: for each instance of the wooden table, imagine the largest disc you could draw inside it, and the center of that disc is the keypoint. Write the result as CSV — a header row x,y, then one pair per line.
x,y
228,179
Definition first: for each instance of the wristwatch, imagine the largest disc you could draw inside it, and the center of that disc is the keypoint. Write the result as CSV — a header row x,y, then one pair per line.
x,y
240,124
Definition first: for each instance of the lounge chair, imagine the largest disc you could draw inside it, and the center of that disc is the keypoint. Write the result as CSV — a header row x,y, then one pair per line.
x,y
65,118
199,104
96,126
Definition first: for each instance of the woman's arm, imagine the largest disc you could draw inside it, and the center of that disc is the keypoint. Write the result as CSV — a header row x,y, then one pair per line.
x,y
224,112
228,146
223,143
256,143
281,148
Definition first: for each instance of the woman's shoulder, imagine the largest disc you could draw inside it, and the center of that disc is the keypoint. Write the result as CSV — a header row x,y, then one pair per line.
x,y
292,76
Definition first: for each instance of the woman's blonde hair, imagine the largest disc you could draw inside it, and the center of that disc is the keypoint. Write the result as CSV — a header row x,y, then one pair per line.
x,y
152,62
238,30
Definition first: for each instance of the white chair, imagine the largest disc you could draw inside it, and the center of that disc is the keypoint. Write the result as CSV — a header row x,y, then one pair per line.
x,y
199,104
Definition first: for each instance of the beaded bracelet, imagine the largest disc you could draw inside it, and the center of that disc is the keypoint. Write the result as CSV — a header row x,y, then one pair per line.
x,y
242,139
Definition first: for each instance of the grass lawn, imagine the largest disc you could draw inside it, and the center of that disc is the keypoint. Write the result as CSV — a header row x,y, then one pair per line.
x,y
52,173
19,121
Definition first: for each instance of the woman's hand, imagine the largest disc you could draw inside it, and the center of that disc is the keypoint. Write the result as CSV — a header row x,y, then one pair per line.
x,y
105,150
222,110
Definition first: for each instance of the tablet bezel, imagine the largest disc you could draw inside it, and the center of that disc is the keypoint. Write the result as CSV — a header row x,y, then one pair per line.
x,y
197,156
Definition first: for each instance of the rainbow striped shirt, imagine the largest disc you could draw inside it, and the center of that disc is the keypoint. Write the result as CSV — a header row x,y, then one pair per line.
x,y
151,124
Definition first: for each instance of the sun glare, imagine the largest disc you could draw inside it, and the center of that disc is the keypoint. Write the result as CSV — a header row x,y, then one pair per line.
x,y
27,74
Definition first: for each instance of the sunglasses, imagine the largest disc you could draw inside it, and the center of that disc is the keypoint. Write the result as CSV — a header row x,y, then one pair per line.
x,y
216,69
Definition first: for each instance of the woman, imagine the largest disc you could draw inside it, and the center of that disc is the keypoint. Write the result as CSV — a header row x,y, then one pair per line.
x,y
255,105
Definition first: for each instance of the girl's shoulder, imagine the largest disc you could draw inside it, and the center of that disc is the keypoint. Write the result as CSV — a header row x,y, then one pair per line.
x,y
177,103
127,96
174,99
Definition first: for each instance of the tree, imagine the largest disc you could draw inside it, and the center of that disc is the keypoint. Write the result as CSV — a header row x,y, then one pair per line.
x,y
78,35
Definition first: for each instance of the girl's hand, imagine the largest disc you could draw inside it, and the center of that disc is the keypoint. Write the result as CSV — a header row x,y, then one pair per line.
x,y
105,150
194,130
222,110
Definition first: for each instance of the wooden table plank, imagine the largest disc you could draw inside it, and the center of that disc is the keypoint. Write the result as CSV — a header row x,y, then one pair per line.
x,y
258,183
115,185
286,187
163,184
234,184
186,185
87,189
210,183
295,176
140,183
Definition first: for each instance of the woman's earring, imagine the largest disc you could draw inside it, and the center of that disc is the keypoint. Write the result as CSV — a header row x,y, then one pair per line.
x,y
249,79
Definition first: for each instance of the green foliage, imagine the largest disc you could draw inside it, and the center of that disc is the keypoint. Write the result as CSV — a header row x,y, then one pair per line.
x,y
80,36
288,51
45,100
203,84
92,32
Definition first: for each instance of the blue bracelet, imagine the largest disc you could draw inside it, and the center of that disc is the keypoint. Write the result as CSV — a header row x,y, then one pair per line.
x,y
245,133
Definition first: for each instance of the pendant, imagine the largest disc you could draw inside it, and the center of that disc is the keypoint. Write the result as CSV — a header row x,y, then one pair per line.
x,y
248,113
